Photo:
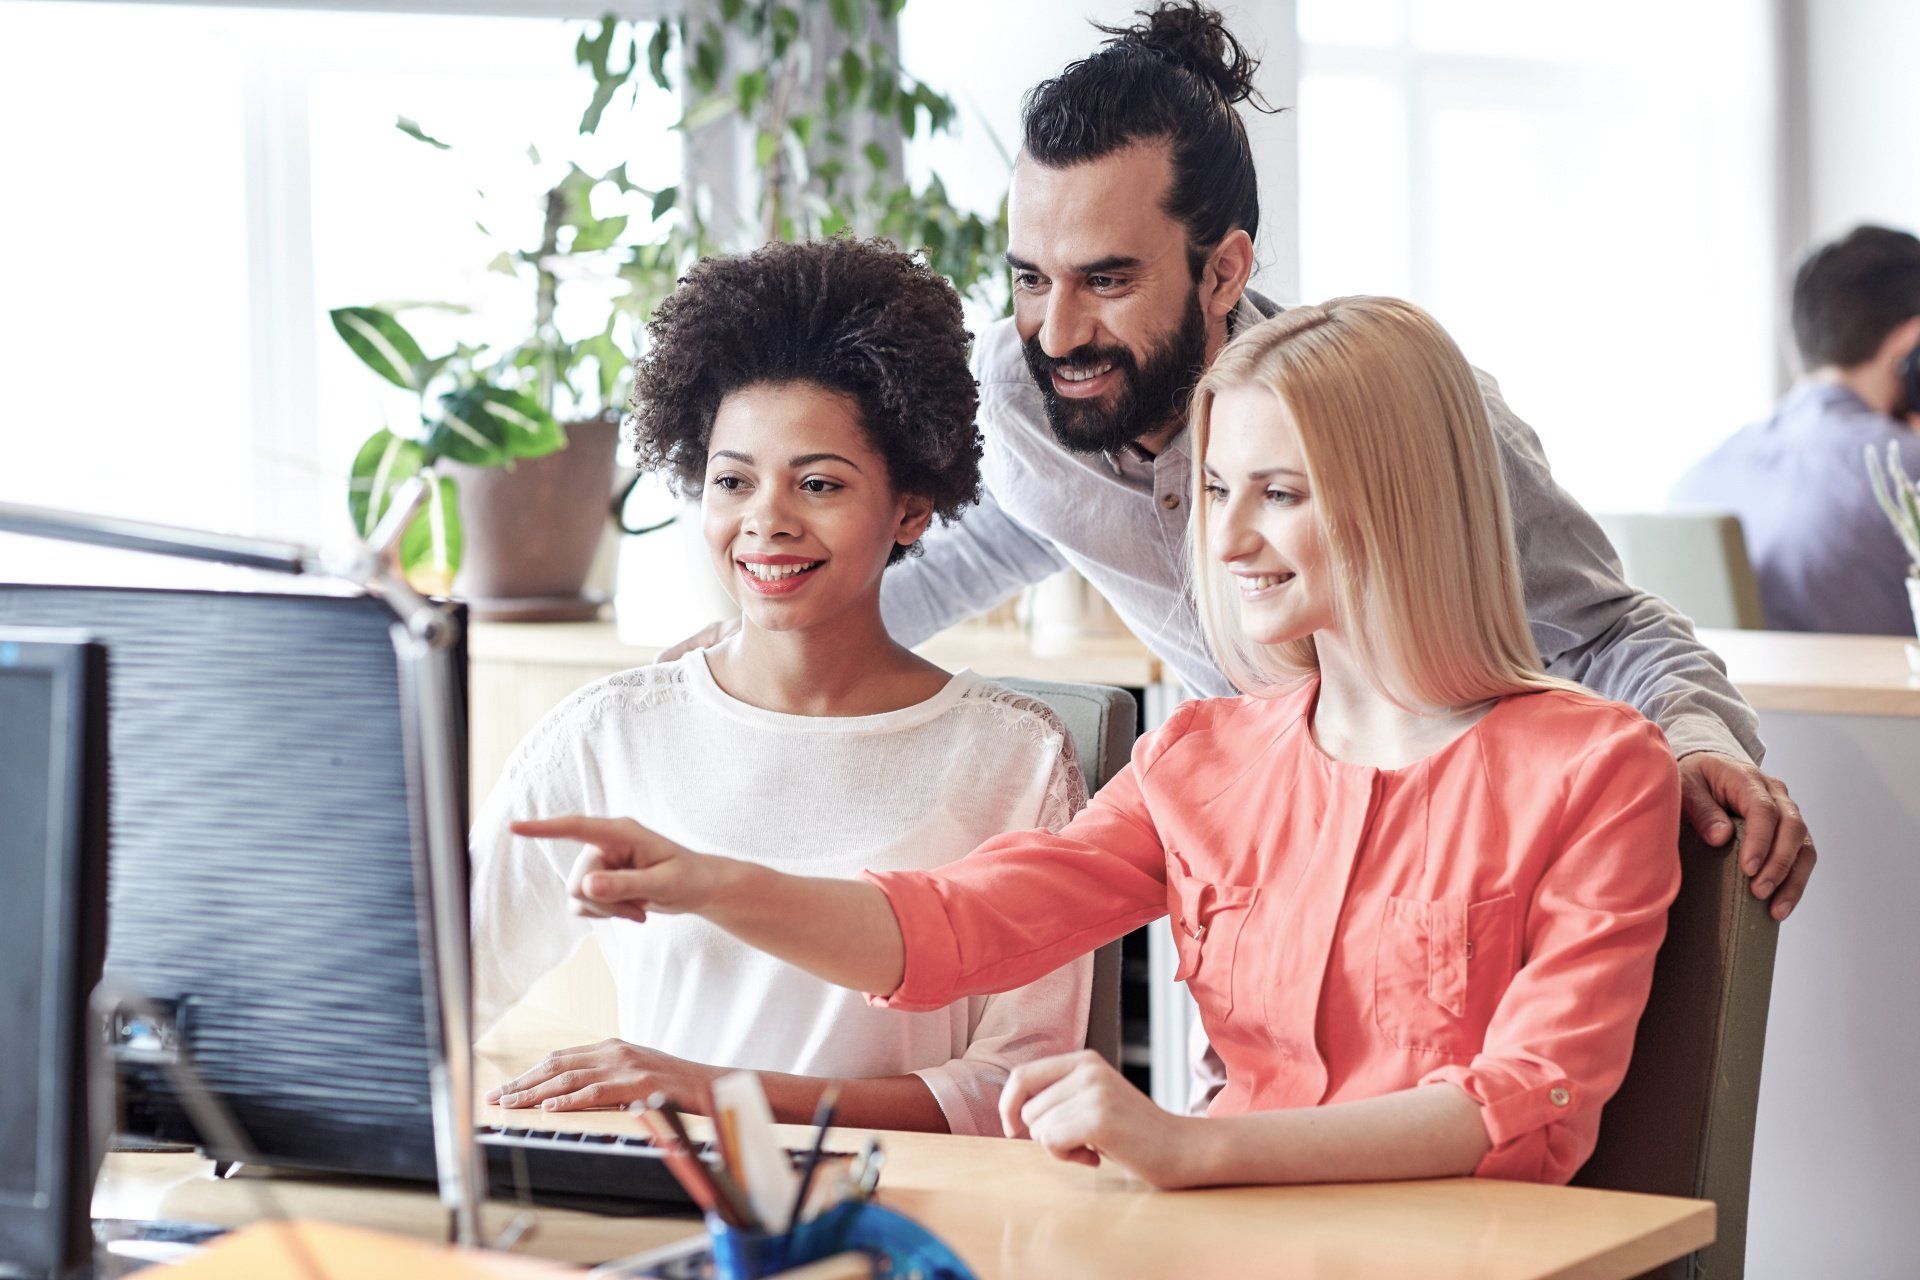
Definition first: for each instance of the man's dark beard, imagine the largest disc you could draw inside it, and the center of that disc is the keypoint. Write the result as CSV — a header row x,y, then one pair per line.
x,y
1151,396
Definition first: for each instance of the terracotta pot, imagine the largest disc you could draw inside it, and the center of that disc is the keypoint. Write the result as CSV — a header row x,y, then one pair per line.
x,y
532,528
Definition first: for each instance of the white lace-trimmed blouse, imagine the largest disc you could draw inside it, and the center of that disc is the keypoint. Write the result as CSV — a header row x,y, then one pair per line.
x,y
904,790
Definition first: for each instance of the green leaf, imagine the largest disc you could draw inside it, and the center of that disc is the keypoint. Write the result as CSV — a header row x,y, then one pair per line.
x,y
764,145
610,361
415,132
705,112
786,26
663,201
383,464
485,426
709,59
434,543
846,16
853,72
382,344
730,10
876,155
749,88
591,234
657,53
598,234
596,54
802,127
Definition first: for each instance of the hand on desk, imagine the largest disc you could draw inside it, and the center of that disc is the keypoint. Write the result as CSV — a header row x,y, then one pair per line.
x,y
612,1073
1776,849
1080,1108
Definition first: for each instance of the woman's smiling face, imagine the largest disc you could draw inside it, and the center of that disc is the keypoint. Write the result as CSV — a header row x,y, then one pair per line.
x,y
799,512
1262,522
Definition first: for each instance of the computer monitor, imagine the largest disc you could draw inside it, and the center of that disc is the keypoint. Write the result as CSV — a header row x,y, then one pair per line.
x,y
263,880
53,795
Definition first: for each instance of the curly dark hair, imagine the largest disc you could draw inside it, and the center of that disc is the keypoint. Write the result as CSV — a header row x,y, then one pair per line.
x,y
854,316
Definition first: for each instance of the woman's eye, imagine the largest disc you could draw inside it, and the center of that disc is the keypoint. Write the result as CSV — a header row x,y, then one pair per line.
x,y
1216,493
729,484
819,484
1282,497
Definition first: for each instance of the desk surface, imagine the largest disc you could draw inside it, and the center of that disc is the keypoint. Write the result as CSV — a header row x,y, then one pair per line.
x,y
1012,1212
1775,670
1835,675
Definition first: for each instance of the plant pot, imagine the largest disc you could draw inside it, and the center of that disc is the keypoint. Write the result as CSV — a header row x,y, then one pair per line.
x,y
532,529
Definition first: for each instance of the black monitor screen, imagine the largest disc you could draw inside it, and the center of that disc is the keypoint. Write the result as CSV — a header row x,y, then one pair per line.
x,y
53,802
27,730
261,865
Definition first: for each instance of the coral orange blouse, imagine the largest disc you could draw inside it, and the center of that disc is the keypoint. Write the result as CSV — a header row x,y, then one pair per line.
x,y
1487,916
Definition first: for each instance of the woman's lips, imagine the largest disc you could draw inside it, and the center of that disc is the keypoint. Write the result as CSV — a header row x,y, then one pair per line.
x,y
790,581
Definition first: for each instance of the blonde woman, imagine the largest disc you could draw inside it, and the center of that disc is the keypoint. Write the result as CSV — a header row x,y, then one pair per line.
x,y
1416,885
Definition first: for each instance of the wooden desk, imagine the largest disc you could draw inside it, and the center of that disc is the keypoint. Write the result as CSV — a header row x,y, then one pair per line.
x,y
1014,1213
1833,675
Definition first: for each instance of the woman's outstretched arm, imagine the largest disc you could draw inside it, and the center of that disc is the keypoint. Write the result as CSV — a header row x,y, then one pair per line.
x,y
843,931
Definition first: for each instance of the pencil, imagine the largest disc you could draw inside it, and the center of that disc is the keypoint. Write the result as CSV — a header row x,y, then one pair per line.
x,y
822,1121
685,1168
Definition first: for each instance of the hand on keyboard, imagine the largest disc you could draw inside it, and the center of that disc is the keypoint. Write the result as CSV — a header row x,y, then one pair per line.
x,y
609,1074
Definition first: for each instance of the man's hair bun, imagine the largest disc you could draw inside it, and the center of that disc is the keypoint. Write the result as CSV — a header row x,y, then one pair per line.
x,y
1193,36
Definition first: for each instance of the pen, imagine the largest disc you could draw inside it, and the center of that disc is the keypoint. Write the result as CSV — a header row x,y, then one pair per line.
x,y
729,1191
683,1165
822,1121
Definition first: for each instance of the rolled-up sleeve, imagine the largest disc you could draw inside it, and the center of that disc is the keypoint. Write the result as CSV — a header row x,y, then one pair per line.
x,y
1025,903
1559,1042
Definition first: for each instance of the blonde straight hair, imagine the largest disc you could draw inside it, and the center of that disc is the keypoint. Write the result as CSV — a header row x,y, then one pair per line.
x,y
1405,479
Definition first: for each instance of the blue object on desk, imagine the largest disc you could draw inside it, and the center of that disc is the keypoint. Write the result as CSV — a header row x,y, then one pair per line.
x,y
905,1249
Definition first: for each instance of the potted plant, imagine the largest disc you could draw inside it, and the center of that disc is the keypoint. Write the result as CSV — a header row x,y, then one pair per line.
x,y
822,101
1899,497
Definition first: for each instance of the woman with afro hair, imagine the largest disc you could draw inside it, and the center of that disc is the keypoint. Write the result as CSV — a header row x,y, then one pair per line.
x,y
816,398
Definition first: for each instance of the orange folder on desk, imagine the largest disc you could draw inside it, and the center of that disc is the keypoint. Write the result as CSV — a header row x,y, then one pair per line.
x,y
269,1251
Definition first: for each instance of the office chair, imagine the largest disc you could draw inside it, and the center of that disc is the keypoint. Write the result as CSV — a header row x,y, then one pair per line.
x,y
1103,722
1682,1123
1694,560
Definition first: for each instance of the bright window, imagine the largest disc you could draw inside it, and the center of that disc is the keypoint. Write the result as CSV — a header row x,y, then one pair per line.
x,y
1582,195
189,190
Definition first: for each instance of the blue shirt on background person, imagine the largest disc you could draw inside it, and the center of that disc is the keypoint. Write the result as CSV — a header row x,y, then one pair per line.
x,y
1824,553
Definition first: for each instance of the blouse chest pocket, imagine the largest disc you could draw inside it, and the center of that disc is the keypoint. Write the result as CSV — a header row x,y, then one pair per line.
x,y
1440,970
1207,920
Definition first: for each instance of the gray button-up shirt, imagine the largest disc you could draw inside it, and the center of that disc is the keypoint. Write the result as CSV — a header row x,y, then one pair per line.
x,y
1120,520
1825,554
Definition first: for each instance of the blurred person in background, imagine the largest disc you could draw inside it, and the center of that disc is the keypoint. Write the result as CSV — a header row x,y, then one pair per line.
x,y
1826,557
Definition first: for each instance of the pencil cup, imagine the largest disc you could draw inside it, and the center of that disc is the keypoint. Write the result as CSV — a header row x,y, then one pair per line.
x,y
907,1248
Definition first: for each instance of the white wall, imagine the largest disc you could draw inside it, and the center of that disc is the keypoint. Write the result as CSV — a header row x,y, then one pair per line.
x,y
1862,68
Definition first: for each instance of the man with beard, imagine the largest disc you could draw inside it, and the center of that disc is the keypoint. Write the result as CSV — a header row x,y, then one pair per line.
x,y
1132,216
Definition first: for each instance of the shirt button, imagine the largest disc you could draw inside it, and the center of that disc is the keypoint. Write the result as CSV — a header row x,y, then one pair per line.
x,y
1559,1097
1169,500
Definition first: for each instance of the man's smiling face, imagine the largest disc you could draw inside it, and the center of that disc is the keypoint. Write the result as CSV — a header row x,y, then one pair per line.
x,y
1116,328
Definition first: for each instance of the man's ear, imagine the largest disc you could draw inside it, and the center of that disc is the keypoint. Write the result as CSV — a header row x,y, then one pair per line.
x,y
916,513
1900,342
1224,278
